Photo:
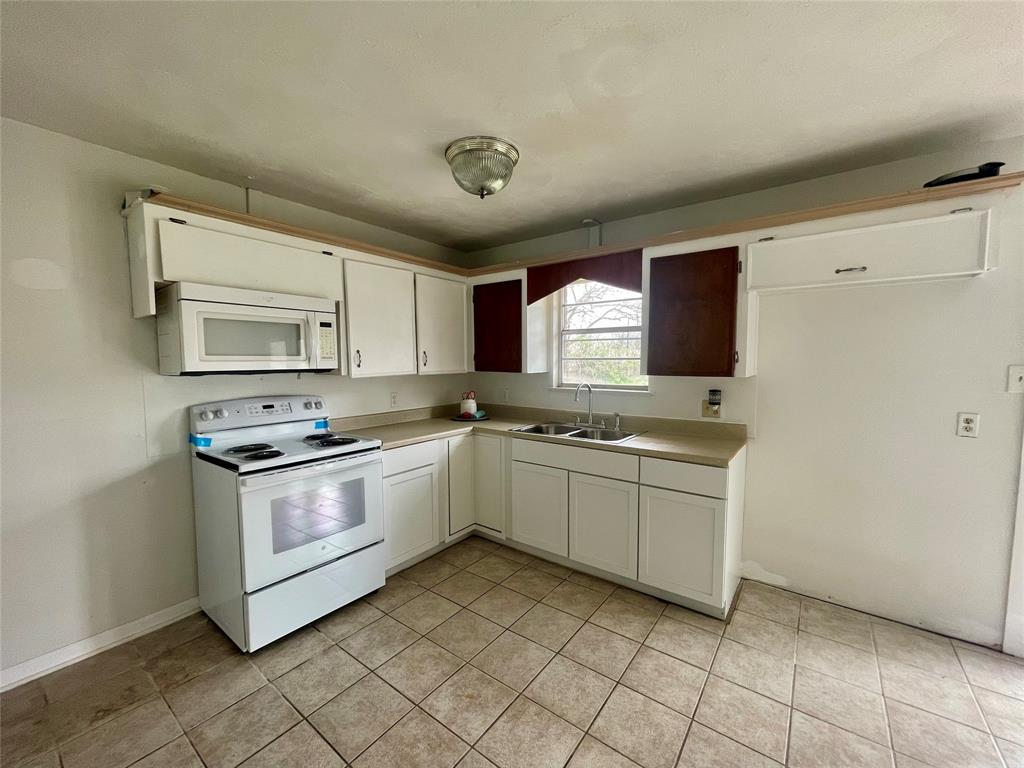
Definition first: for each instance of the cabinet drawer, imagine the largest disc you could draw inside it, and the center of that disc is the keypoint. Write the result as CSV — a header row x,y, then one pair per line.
x,y
409,457
680,476
941,246
586,460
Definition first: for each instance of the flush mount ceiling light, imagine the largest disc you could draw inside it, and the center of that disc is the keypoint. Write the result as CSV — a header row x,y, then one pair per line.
x,y
481,165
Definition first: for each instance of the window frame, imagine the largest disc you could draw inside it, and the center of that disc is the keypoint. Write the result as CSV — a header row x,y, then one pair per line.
x,y
561,332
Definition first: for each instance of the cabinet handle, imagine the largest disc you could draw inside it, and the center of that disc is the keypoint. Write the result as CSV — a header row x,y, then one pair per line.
x,y
359,359
851,269
424,358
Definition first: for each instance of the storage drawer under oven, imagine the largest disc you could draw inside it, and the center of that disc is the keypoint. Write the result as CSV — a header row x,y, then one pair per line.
x,y
296,519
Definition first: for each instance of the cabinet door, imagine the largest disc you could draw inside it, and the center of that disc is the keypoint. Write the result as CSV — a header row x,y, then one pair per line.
x,y
681,543
489,481
460,483
498,326
603,523
410,513
193,254
540,507
440,325
380,305
692,315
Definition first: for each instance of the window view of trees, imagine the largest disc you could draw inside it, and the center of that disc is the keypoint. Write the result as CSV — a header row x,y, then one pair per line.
x,y
600,336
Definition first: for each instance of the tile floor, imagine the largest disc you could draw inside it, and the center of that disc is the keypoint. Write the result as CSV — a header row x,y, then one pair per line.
x,y
483,656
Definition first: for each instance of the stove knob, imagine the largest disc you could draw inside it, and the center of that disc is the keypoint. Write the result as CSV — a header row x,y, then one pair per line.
x,y
220,413
319,403
308,405
205,415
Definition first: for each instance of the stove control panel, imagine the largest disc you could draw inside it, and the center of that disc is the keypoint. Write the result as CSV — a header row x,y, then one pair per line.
x,y
273,408
254,412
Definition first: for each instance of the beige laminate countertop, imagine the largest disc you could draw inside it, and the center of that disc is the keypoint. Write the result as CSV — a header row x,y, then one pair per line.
x,y
715,452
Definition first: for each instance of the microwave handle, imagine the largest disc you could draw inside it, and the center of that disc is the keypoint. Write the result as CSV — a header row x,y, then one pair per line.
x,y
267,479
314,341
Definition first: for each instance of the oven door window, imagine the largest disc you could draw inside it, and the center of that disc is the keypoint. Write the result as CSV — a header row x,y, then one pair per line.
x,y
294,521
251,338
306,518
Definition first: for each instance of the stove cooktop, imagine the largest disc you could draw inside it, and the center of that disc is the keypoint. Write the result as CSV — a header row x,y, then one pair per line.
x,y
256,434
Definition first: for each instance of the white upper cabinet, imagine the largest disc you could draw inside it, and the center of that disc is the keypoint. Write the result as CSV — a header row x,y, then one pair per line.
x,y
951,245
440,325
380,305
169,245
196,255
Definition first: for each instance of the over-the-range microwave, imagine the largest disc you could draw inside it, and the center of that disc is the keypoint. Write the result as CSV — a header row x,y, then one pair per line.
x,y
204,329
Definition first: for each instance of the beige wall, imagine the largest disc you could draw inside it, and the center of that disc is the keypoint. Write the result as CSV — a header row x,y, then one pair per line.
x,y
97,524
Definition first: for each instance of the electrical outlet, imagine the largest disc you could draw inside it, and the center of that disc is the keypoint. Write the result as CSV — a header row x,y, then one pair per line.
x,y
1015,379
504,395
968,424
709,411
394,399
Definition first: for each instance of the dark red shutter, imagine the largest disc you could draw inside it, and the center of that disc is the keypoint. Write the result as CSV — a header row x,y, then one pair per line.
x,y
623,270
692,317
498,326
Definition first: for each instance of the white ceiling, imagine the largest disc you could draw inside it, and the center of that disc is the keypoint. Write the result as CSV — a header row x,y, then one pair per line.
x,y
617,108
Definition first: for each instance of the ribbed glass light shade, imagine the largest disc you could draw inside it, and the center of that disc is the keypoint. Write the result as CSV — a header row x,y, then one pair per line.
x,y
481,165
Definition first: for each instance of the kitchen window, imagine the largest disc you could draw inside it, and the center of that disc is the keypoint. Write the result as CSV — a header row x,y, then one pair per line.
x,y
599,336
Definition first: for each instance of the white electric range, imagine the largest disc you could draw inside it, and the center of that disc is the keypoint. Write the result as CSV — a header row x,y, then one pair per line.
x,y
289,515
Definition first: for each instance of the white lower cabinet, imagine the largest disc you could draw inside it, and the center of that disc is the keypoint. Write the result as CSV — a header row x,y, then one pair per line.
x,y
489,481
540,507
603,523
410,513
461,471
682,543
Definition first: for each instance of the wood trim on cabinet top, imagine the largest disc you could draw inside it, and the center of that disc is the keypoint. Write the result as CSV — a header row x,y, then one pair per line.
x,y
181,204
864,205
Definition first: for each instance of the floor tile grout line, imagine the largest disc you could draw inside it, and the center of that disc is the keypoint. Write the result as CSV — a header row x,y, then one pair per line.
x,y
981,710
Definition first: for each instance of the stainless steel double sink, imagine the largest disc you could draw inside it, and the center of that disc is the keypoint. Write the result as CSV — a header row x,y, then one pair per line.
x,y
597,434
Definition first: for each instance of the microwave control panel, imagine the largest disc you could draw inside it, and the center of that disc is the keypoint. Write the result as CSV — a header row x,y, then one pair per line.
x,y
328,342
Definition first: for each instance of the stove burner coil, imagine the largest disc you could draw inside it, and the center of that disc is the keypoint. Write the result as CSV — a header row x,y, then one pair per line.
x,y
317,437
249,448
332,441
271,454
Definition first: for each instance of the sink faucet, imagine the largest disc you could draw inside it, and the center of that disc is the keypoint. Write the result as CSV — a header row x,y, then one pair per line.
x,y
590,401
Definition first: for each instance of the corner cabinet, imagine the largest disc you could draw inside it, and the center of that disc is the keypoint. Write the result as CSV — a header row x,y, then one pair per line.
x,y
380,307
489,481
440,325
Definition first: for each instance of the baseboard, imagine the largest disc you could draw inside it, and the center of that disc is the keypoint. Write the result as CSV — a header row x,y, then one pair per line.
x,y
90,646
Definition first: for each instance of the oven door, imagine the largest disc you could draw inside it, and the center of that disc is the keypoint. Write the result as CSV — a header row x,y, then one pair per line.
x,y
235,337
295,519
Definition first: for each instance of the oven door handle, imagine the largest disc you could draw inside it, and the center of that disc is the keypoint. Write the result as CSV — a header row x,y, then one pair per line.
x,y
267,479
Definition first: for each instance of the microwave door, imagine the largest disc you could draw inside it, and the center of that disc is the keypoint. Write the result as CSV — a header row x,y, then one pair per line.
x,y
223,337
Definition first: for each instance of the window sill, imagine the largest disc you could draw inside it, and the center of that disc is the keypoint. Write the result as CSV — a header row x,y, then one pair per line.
x,y
641,392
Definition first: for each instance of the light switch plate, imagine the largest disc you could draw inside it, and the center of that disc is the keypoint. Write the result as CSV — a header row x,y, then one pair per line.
x,y
968,424
1015,379
394,399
